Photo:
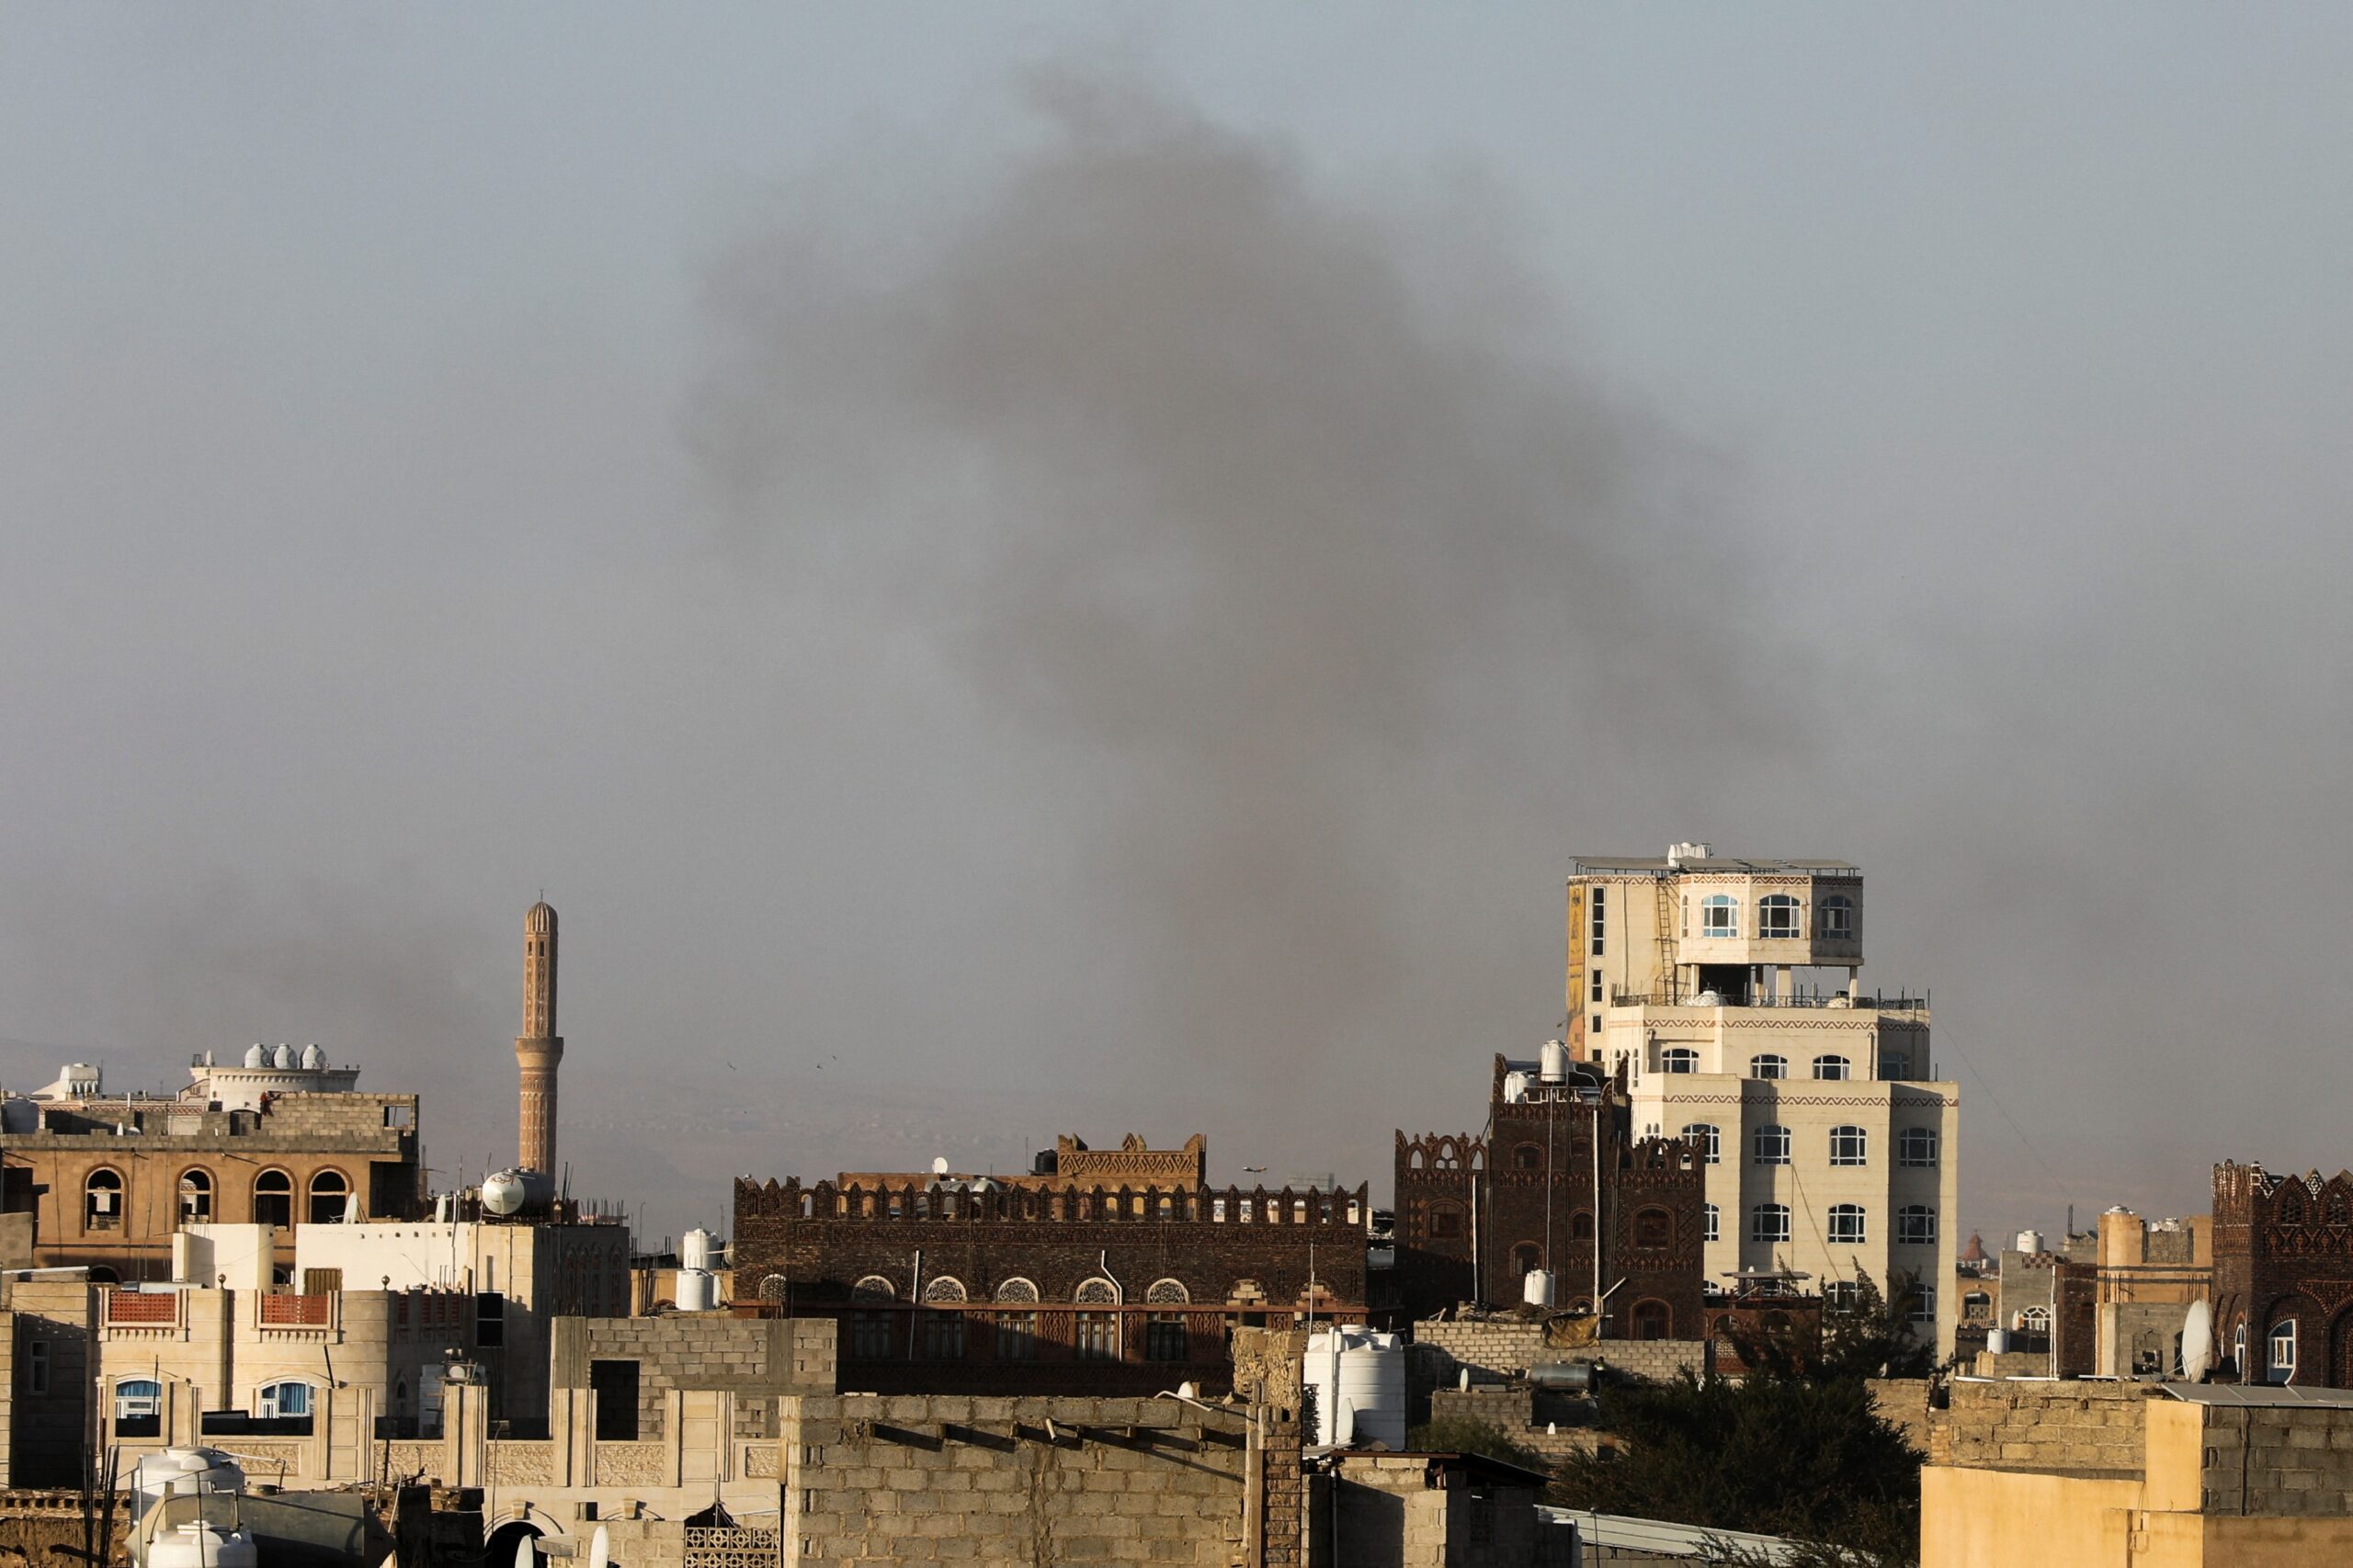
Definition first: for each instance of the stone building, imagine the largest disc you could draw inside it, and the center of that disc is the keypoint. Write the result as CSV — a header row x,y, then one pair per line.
x,y
1832,1148
282,1139
2283,1275
539,1049
2145,1276
976,1285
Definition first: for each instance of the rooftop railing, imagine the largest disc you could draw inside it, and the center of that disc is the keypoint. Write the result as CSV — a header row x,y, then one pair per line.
x,y
1837,999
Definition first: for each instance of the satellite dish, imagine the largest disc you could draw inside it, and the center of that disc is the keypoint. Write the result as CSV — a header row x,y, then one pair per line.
x,y
2197,1342
526,1551
600,1548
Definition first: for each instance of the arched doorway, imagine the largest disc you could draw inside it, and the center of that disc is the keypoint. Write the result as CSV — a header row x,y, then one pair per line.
x,y
504,1549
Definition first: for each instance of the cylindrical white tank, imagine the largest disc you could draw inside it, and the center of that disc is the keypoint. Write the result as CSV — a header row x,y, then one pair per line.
x,y
282,1058
1552,1065
1359,1377
1515,1087
698,1291
2029,1241
200,1545
503,1193
257,1055
1997,1340
1536,1287
697,1247
313,1058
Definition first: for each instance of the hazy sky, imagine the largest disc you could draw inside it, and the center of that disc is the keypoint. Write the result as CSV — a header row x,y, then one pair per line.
x,y
1029,569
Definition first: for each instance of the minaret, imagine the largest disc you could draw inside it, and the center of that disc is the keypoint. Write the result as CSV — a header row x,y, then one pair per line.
x,y
538,1048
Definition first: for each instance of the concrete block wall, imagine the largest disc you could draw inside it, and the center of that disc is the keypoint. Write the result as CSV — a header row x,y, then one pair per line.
x,y
1521,1414
2058,1428
2278,1459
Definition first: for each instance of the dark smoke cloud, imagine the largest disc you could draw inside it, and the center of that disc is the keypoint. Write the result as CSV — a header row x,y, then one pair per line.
x,y
1286,516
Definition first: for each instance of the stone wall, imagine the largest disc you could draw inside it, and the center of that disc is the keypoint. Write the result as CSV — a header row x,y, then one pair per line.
x,y
2056,1428
1071,1482
1546,1425
52,1322
1902,1404
755,1359
2275,1459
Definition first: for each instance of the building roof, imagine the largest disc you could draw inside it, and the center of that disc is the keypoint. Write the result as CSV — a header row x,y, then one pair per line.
x,y
1604,865
2259,1393
1662,1539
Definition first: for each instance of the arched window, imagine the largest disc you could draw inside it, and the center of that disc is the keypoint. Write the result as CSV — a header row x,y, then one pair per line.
x,y
1097,1292
2238,1347
1017,1290
1850,1146
137,1408
1166,1293
1847,1224
1831,1067
2033,1320
1768,1066
1777,915
2290,1209
1653,1228
1834,918
1916,1225
1702,1134
102,1200
196,1197
1527,1257
1709,1218
1678,1059
330,1198
2283,1351
101,1275
287,1405
1917,1146
1719,916
273,1198
1527,1157
774,1287
1581,1225
1769,1222
1772,1145
943,1287
873,1287
1096,1336
1651,1320
1446,1222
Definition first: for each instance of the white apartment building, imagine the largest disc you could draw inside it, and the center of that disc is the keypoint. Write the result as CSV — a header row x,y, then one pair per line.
x,y
1731,993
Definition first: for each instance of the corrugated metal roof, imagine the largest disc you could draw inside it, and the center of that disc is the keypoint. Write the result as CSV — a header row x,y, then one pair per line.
x,y
2259,1393
1665,1539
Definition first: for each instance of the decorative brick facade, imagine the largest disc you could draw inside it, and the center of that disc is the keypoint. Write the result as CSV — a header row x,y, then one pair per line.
x,y
2283,1258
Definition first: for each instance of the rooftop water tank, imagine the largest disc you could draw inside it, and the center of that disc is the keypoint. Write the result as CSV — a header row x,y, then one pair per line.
x,y
283,1057
1536,1287
313,1058
200,1545
1552,1065
698,1291
2029,1241
697,1248
257,1055
503,1193
1515,1087
1358,1376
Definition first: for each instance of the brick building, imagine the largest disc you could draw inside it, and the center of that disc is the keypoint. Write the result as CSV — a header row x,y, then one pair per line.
x,y
1557,1181
973,1285
282,1139
2283,1275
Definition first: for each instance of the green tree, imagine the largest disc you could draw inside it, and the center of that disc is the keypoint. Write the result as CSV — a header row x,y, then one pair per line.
x,y
1461,1435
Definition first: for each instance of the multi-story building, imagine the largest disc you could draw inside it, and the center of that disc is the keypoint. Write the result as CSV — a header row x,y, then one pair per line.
x,y
281,1139
1556,1181
1831,1147
2283,1275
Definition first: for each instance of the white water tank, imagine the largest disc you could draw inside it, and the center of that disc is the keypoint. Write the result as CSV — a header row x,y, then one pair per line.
x,y
2029,1241
1515,1087
1997,1340
282,1058
697,1248
1536,1287
200,1545
1359,1377
1552,1065
503,1193
181,1472
698,1291
257,1055
313,1058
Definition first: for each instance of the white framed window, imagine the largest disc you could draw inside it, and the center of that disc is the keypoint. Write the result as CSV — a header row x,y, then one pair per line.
x,y
2238,1347
1833,918
1719,916
1704,1135
1711,1220
1847,1224
1771,1145
1768,1066
1833,1067
1916,1147
1678,1059
1916,1225
1841,1294
1923,1304
1777,915
1595,988
137,1399
284,1400
1769,1222
1600,919
1850,1146
2283,1351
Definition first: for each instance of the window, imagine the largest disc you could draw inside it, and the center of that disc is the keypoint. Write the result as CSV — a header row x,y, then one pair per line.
x,y
196,1197
102,1200
1652,1228
1097,1292
1850,1146
37,1365
1916,1225
1651,1320
1916,1147
1217,1205
1769,1222
1840,1295
329,1196
1777,915
490,1320
1835,917
2238,1347
1894,1066
1164,1338
1719,916
1708,1216
1098,1336
273,1198
1526,1258
1923,1304
1600,920
1594,988
1016,1289
1772,1145
1017,1336
1446,1224
1831,1067
1847,1224
137,1408
943,1289
873,1287
1702,1134
614,1386
1527,1157
1768,1066
1581,1225
943,1335
2283,1352
280,1401
2290,1209
870,1336
1678,1059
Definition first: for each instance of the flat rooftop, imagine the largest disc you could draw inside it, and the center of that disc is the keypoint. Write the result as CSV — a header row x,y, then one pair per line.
x,y
1605,865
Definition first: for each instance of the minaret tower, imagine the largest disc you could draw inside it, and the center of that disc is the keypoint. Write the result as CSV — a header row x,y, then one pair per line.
x,y
538,1048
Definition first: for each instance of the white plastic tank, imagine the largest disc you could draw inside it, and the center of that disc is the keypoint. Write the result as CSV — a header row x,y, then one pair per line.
x,y
503,1193
2029,1241
313,1058
257,1055
181,1472
1552,1064
1358,1376
697,1248
200,1545
1515,1087
1536,1287
283,1057
1997,1340
698,1291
